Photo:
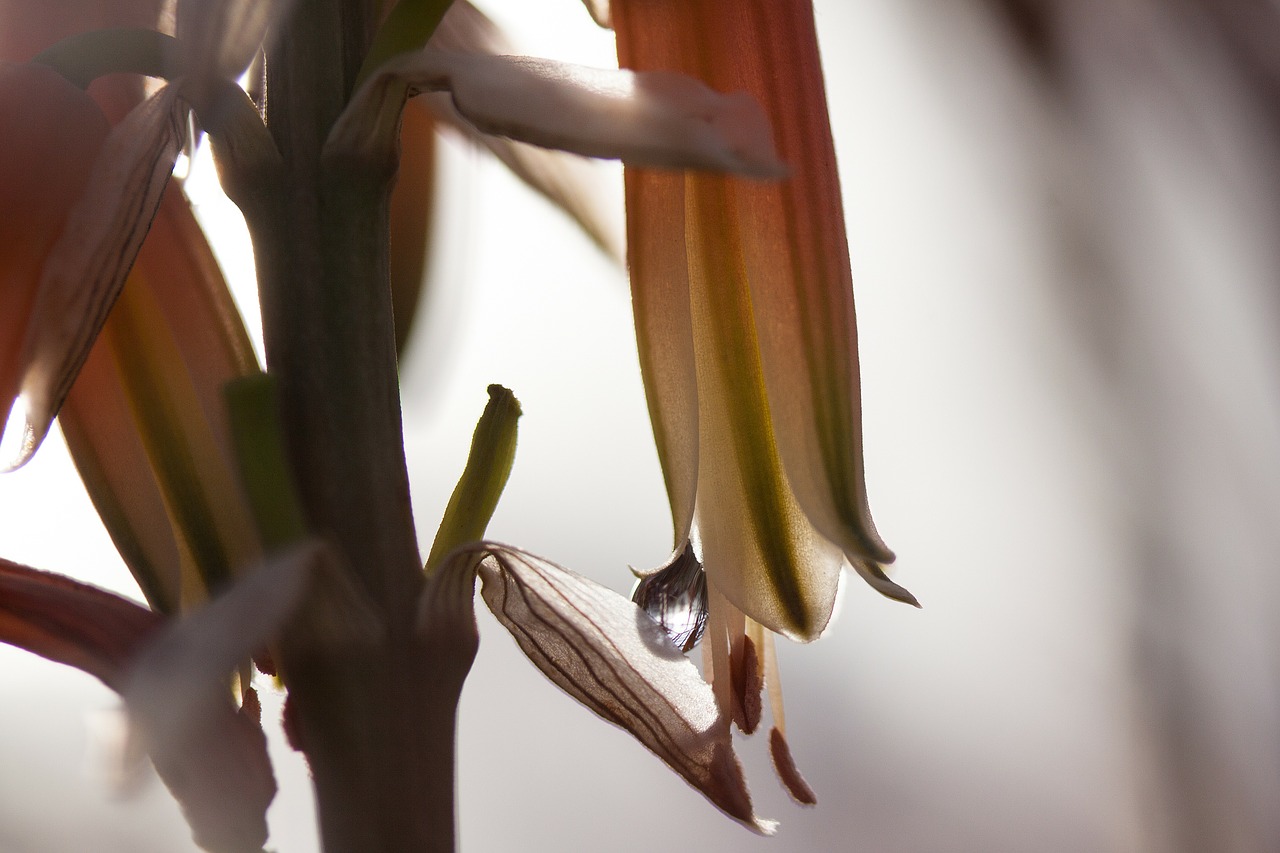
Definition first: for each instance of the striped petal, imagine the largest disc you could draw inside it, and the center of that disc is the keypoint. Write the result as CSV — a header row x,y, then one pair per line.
x,y
88,264
659,273
146,423
760,550
72,623
52,133
605,652
781,495
797,257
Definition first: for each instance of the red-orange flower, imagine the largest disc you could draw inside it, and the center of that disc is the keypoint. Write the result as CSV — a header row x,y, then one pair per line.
x,y
745,322
53,132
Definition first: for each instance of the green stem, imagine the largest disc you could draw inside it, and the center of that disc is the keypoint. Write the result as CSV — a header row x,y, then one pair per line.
x,y
374,710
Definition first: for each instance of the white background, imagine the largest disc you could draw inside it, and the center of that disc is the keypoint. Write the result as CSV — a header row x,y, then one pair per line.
x,y
1007,715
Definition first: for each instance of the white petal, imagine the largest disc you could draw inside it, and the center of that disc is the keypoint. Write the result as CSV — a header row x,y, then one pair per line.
x,y
213,757
89,263
656,118
568,181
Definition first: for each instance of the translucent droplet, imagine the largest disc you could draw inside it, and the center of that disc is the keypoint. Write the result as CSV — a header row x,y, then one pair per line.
x,y
675,597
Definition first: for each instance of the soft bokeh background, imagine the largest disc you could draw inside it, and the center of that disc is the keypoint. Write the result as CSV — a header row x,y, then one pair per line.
x,y
1067,316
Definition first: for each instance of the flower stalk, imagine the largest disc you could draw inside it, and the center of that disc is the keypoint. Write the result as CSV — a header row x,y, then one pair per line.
x,y
378,736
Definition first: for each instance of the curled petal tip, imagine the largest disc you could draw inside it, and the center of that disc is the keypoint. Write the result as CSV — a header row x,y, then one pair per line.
x,y
880,582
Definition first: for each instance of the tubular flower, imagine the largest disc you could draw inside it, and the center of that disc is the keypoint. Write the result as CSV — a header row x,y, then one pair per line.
x,y
44,167
745,323
144,419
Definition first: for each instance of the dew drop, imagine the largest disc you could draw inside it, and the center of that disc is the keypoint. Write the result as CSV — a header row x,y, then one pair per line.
x,y
675,597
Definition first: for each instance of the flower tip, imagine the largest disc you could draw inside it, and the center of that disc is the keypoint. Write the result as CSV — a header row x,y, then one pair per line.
x,y
600,13
879,581
18,440
727,789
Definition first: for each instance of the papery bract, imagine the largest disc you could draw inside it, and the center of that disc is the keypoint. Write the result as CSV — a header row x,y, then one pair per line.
x,y
605,652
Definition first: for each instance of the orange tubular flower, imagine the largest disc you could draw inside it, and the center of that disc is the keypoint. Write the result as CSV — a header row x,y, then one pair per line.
x,y
43,170
144,419
745,323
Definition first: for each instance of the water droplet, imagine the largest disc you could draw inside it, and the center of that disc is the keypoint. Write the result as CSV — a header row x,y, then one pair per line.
x,y
675,597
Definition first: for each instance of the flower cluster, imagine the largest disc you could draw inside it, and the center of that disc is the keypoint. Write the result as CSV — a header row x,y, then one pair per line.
x,y
118,322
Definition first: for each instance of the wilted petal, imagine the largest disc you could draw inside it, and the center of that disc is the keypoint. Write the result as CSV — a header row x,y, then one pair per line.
x,y
657,119
566,180
72,623
213,757
609,655
88,264
52,133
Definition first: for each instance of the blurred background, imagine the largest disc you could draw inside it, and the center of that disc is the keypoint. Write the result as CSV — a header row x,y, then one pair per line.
x,y
1063,221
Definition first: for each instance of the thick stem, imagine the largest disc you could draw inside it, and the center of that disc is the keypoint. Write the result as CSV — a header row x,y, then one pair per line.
x,y
327,319
374,714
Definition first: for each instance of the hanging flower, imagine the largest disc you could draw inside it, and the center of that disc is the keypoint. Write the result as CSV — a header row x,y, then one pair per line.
x,y
745,323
